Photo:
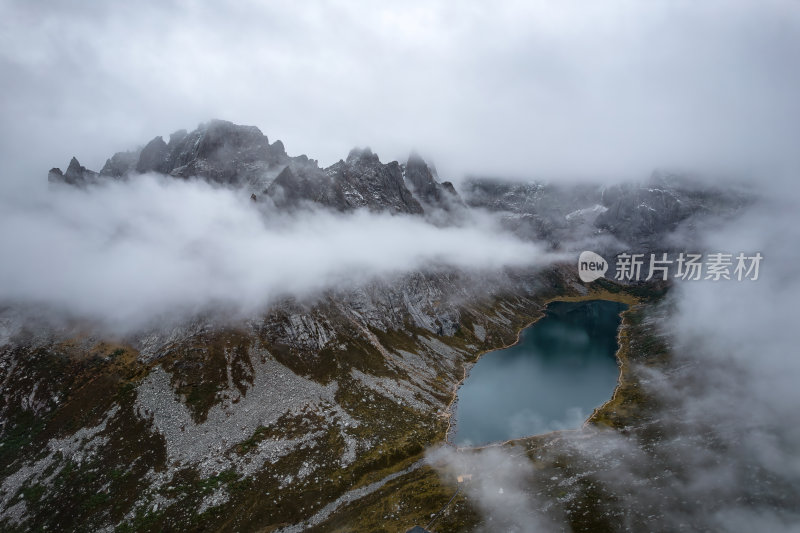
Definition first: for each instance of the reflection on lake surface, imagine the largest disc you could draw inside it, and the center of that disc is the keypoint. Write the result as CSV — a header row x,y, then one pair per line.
x,y
563,368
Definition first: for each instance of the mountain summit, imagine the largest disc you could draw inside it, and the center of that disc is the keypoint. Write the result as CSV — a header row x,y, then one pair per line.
x,y
241,156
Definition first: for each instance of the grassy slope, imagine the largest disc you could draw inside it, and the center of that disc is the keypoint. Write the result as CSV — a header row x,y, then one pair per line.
x,y
414,498
89,378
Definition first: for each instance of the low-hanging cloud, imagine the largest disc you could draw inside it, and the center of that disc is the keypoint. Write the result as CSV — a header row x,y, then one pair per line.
x,y
726,456
502,485
125,252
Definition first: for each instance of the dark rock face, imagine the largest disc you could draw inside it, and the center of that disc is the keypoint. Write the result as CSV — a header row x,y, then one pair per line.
x,y
120,164
76,174
298,184
639,215
55,175
153,157
225,153
241,156
219,151
422,181
363,181
450,189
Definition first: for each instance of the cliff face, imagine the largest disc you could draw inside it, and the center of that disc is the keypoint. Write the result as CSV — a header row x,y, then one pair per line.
x,y
361,181
365,182
638,216
422,180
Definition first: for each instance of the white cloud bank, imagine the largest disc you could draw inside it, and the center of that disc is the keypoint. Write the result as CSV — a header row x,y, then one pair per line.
x,y
126,252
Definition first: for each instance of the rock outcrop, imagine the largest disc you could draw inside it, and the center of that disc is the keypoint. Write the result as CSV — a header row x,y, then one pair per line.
x,y
360,181
121,164
365,182
76,174
422,181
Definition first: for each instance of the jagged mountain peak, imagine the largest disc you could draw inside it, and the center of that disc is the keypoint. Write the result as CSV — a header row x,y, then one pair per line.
x,y
152,157
74,165
76,174
362,154
242,157
218,151
422,180
414,158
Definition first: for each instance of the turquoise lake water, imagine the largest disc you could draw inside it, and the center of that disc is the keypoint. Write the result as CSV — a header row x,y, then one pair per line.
x,y
562,369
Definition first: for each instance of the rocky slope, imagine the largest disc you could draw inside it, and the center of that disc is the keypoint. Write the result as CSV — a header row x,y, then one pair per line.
x,y
246,426
633,216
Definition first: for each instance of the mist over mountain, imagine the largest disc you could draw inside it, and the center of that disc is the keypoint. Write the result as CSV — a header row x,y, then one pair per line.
x,y
232,220
261,322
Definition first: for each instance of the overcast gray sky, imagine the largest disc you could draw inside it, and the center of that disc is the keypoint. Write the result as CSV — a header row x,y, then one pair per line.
x,y
528,88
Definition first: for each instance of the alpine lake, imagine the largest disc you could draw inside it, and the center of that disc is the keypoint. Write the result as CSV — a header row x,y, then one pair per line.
x,y
562,368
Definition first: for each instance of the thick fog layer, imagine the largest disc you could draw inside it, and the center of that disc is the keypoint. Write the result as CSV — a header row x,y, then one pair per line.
x,y
126,252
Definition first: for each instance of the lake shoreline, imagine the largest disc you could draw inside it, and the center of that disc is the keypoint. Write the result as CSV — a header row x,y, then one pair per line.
x,y
621,360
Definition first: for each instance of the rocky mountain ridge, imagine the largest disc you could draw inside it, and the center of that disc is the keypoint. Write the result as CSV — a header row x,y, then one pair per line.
x,y
242,157
632,216
628,215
